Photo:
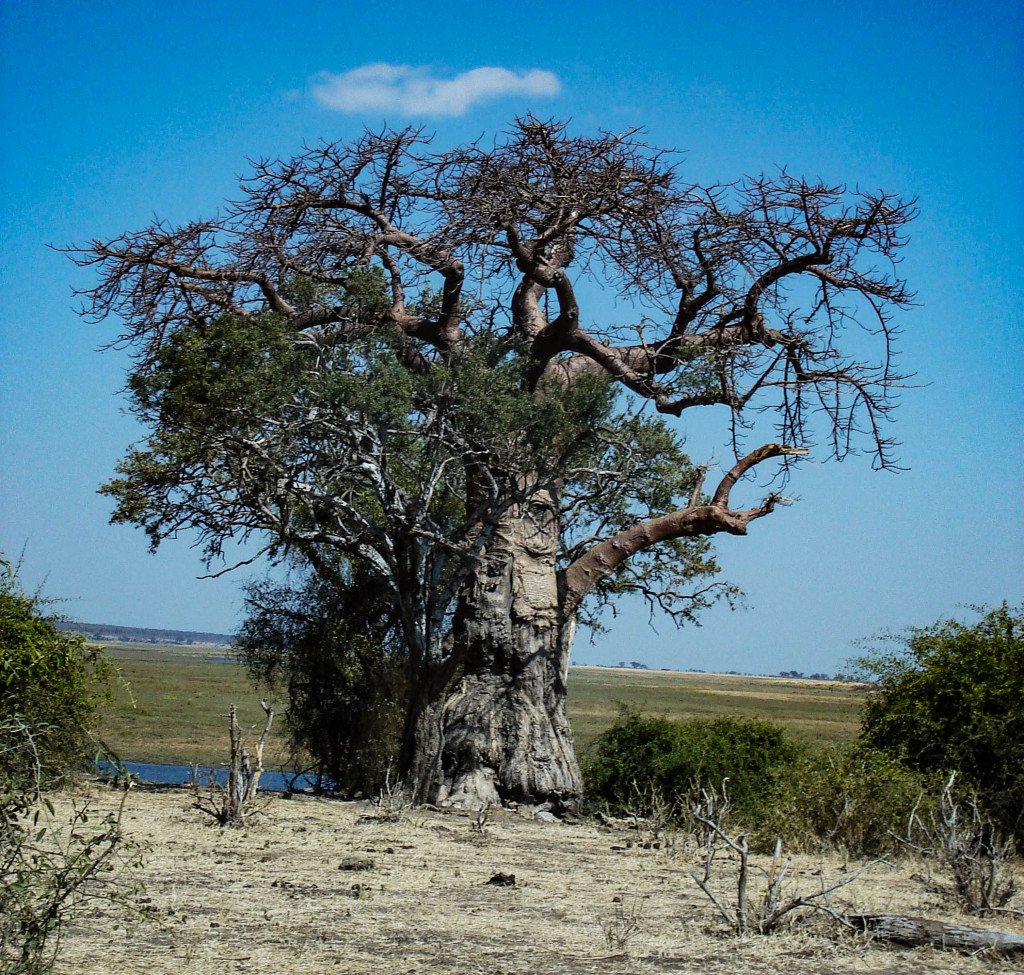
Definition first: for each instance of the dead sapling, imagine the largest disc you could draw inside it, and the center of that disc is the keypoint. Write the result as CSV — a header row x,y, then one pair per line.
x,y
625,923
756,913
479,823
653,817
650,815
231,804
391,802
968,847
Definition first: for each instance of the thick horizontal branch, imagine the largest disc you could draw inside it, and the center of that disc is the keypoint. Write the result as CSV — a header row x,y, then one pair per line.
x,y
603,559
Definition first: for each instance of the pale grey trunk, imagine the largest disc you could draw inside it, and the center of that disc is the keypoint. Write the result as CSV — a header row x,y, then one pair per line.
x,y
501,732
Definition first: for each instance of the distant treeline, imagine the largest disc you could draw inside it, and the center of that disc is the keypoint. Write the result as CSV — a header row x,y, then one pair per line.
x,y
139,634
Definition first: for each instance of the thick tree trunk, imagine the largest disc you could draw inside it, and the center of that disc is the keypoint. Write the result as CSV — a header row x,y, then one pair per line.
x,y
501,732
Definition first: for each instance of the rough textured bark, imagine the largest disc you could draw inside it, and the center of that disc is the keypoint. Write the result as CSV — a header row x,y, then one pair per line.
x,y
502,732
917,931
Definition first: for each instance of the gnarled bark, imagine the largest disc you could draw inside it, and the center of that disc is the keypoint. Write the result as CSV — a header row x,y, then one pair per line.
x,y
917,931
501,732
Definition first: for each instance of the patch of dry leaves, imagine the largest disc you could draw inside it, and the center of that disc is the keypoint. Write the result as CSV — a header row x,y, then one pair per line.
x,y
272,898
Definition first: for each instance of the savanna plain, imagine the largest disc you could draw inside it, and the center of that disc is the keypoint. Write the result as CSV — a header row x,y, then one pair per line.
x,y
313,885
170,704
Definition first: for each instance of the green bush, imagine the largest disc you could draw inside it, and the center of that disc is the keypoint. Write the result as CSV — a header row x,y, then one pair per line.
x,y
640,756
951,697
335,655
52,865
845,797
50,683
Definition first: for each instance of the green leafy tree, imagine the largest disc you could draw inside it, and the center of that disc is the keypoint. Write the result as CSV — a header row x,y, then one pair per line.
x,y
361,466
950,696
50,685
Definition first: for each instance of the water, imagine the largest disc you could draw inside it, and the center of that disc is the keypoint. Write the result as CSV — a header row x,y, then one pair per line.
x,y
182,775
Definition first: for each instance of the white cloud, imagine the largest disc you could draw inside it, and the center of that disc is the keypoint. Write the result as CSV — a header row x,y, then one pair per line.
x,y
416,91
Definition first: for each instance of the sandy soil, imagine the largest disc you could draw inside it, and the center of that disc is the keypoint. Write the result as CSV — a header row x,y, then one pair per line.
x,y
273,898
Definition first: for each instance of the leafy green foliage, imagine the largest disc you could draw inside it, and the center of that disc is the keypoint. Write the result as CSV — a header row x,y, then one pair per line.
x,y
256,429
846,797
336,656
214,395
49,682
51,865
951,697
641,754
240,397
49,691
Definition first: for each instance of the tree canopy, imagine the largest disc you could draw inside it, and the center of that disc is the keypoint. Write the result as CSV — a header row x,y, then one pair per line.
x,y
397,359
950,697
736,295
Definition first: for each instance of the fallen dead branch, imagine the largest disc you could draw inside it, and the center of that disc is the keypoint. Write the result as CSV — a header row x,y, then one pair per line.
x,y
916,931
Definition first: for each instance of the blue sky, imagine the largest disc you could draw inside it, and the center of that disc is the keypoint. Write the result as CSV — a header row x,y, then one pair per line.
x,y
112,113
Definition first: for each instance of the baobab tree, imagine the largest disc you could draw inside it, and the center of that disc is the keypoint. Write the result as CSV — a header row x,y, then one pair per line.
x,y
392,361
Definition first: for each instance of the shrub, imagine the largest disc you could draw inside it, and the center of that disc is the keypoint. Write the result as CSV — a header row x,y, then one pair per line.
x,y
847,797
51,866
345,676
951,697
641,755
49,682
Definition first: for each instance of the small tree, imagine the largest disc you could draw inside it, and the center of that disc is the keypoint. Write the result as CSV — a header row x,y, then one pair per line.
x,y
963,840
950,696
345,674
774,906
49,682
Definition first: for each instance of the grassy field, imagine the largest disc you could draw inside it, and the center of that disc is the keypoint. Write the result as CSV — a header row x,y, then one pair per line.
x,y
174,705
171,705
817,711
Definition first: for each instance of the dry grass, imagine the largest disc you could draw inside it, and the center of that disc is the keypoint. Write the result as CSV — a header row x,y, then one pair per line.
x,y
272,899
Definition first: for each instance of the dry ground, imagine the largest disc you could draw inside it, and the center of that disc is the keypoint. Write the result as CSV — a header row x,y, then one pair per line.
x,y
271,898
